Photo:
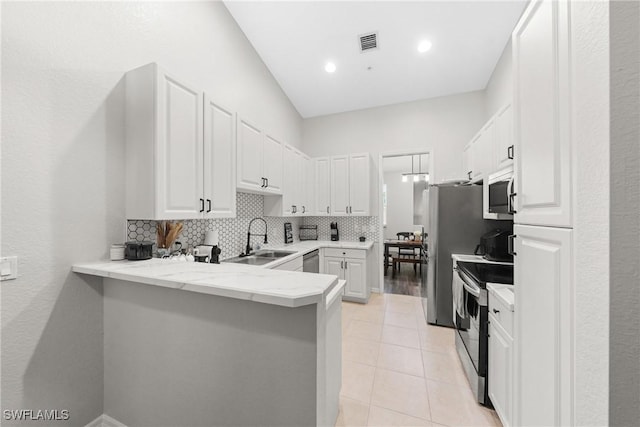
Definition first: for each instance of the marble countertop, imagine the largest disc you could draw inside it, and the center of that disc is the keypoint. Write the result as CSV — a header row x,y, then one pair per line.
x,y
284,288
304,247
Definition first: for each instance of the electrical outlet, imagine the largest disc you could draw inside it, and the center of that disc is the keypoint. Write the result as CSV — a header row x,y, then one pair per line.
x,y
8,268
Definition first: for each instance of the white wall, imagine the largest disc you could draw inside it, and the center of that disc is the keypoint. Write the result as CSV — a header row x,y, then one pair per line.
x,y
399,205
499,90
624,244
62,167
590,136
441,125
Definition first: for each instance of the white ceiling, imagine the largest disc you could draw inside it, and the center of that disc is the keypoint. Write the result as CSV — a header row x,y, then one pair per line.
x,y
295,39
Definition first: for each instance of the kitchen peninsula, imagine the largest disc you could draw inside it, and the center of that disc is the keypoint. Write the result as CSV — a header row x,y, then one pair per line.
x,y
205,344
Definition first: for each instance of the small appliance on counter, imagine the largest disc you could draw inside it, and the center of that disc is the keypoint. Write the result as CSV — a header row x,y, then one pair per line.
x,y
288,233
308,232
209,251
494,246
335,236
138,251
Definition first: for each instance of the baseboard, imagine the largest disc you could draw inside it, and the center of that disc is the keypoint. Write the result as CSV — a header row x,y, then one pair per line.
x,y
105,421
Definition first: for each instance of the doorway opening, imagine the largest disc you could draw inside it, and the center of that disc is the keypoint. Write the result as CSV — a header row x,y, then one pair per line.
x,y
404,179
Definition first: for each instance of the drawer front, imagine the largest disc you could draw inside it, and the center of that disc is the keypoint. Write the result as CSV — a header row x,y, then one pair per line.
x,y
502,314
345,253
293,265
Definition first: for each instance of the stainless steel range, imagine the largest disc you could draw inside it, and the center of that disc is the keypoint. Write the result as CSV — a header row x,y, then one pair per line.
x,y
470,309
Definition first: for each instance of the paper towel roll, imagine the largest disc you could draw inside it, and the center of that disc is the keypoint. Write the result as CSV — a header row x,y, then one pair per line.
x,y
211,238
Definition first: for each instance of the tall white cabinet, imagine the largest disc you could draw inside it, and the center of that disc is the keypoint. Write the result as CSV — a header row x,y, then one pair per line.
x,y
174,135
543,282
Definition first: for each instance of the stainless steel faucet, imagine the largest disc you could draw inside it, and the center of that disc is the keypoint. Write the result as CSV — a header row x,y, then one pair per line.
x,y
247,250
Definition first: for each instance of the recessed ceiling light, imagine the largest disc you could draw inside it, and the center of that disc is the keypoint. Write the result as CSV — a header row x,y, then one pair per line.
x,y
330,67
424,46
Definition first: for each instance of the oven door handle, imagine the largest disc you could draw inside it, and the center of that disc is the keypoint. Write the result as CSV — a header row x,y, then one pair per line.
x,y
472,289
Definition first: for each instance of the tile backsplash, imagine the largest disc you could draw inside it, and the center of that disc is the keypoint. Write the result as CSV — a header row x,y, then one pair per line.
x,y
233,231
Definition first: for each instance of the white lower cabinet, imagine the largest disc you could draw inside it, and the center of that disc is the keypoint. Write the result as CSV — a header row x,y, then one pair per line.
x,y
350,265
543,327
501,352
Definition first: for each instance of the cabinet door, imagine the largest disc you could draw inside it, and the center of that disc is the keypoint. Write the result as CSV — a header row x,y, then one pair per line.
x,y
179,153
543,334
355,273
359,184
339,185
272,165
322,186
219,161
500,371
289,184
308,186
333,265
504,136
298,182
250,156
541,111
485,157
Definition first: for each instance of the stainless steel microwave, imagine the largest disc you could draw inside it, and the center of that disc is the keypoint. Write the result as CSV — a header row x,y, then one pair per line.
x,y
501,192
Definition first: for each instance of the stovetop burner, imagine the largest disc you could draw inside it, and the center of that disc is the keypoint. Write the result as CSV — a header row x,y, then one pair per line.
x,y
482,273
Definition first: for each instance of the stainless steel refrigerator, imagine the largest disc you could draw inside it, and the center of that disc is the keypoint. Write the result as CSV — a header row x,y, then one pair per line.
x,y
454,225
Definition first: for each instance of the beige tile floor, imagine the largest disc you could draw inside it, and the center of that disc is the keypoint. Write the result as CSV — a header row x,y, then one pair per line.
x,y
399,371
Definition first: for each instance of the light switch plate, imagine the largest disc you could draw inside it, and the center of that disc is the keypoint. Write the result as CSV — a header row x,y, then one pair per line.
x,y
8,268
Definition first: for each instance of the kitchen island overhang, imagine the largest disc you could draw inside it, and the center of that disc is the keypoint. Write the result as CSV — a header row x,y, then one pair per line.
x,y
199,344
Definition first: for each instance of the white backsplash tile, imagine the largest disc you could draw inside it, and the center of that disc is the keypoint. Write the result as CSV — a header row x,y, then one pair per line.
x,y
233,231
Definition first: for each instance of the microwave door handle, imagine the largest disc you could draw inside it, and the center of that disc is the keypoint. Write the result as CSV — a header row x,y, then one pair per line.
x,y
510,196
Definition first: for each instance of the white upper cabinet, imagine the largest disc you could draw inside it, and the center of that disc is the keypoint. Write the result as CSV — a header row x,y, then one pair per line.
x,y
544,292
541,115
467,162
219,161
322,187
250,156
359,184
308,186
339,185
169,165
260,160
504,138
273,164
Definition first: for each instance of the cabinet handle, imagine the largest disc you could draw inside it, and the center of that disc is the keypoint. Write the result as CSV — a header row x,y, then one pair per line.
x,y
208,205
341,265
201,205
267,186
469,173
345,265
496,311
512,202
327,209
304,209
346,209
510,242
510,152
262,183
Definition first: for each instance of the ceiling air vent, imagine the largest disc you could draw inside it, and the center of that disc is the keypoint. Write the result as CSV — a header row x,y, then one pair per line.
x,y
368,41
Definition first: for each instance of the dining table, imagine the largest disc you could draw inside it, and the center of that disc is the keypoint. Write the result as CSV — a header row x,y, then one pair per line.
x,y
400,244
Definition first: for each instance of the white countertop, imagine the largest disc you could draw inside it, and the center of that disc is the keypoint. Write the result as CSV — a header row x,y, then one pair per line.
x,y
476,259
504,293
285,288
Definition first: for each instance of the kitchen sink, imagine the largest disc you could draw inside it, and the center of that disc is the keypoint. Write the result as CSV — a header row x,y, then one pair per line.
x,y
260,257
272,254
250,260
